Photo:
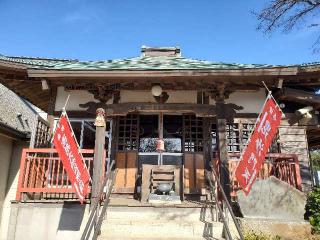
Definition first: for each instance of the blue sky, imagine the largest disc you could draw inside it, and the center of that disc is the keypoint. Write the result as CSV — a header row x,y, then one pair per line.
x,y
104,29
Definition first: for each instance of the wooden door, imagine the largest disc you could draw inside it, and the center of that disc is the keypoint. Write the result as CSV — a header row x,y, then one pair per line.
x,y
194,178
127,153
194,162
126,163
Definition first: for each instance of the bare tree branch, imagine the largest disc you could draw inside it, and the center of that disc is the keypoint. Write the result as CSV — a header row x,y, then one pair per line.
x,y
287,15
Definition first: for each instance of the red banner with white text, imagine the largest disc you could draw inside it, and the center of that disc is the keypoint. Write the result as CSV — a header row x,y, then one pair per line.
x,y
254,154
68,151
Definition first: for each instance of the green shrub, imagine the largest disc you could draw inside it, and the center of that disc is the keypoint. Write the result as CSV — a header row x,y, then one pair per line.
x,y
313,209
252,235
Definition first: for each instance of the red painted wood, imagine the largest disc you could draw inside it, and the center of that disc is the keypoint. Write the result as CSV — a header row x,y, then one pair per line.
x,y
282,165
41,171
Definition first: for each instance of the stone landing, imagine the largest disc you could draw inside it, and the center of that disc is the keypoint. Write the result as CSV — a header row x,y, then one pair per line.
x,y
160,223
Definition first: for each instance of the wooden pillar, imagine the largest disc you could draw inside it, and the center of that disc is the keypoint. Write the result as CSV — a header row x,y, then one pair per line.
x,y
207,145
221,123
223,150
99,150
113,139
51,107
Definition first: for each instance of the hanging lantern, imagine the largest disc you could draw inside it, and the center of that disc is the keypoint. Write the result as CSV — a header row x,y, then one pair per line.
x,y
156,90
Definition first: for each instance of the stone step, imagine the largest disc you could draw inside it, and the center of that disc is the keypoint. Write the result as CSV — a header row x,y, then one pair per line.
x,y
164,213
160,238
161,230
160,223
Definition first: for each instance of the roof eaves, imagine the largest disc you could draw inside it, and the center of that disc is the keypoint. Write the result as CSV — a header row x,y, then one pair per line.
x,y
13,132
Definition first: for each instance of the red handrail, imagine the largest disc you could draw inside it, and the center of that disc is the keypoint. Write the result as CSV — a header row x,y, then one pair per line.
x,y
281,165
42,173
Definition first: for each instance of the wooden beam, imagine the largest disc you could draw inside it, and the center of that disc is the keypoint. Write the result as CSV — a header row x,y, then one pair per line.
x,y
299,96
272,71
121,109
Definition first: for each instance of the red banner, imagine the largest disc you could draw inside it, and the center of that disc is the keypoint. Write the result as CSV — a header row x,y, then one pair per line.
x,y
254,154
72,160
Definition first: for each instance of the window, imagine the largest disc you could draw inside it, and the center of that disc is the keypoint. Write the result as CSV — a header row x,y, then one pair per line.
x,y
128,132
149,133
193,133
85,132
233,139
237,135
172,133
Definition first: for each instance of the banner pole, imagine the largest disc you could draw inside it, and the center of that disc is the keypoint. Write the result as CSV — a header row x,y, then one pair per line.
x,y
265,85
254,127
255,135
65,105
272,96
64,112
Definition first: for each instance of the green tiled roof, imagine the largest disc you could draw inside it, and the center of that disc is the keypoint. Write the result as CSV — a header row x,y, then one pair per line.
x,y
138,63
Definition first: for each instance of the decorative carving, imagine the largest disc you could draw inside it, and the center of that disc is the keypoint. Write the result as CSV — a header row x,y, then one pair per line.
x,y
227,111
220,92
116,97
92,106
101,92
162,98
100,118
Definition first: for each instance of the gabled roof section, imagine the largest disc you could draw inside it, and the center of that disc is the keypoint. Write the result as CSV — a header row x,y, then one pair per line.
x,y
138,63
16,114
33,62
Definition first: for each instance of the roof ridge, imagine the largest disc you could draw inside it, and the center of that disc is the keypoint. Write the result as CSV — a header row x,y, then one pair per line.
x,y
40,58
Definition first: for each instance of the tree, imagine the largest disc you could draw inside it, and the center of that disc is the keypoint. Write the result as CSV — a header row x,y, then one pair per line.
x,y
315,160
289,14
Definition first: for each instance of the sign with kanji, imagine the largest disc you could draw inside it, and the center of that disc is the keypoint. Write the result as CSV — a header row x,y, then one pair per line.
x,y
68,151
254,154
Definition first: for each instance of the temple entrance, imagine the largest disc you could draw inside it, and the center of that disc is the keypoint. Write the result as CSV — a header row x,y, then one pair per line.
x,y
136,147
167,127
157,168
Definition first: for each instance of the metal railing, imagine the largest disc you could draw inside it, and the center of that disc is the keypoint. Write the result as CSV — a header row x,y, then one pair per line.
x,y
96,215
221,206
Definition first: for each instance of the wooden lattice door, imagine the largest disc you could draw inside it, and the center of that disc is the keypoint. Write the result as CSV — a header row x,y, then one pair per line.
x,y
194,164
127,153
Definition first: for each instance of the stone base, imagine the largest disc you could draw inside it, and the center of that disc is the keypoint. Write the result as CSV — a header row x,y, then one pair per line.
x,y
164,199
287,230
273,199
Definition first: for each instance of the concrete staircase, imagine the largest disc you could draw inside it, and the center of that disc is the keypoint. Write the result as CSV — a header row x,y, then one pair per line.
x,y
155,223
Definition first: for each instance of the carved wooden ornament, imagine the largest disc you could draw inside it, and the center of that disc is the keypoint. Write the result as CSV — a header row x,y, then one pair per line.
x,y
100,118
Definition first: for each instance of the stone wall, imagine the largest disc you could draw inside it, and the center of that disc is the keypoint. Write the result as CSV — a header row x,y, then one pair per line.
x,y
293,140
47,221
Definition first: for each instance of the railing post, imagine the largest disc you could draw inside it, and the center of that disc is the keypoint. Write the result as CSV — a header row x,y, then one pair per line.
x,y
21,173
297,173
99,149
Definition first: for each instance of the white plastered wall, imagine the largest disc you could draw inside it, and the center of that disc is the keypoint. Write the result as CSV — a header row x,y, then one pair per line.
x,y
127,96
76,97
13,149
5,159
251,101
